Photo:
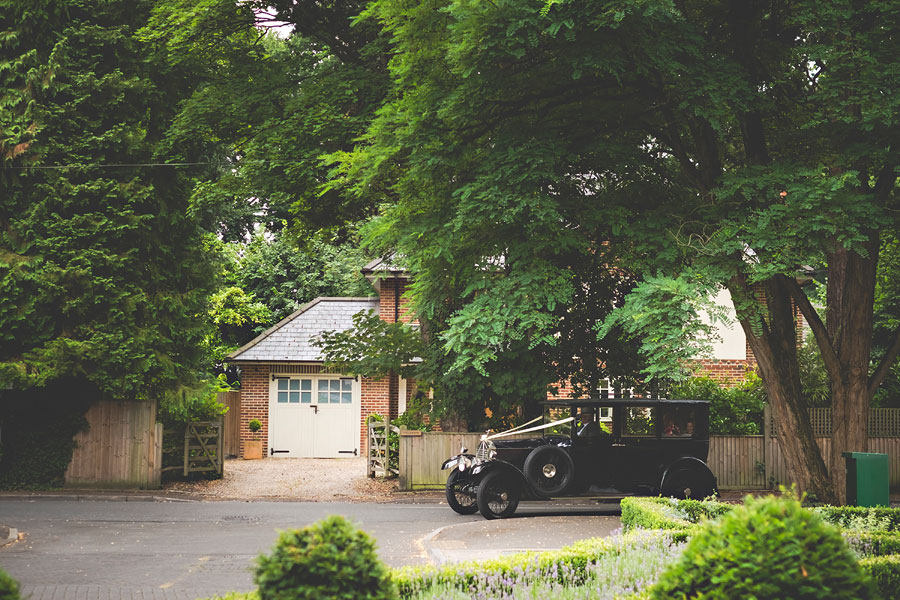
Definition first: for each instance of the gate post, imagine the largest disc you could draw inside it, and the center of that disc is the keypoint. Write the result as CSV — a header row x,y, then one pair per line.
x,y
187,445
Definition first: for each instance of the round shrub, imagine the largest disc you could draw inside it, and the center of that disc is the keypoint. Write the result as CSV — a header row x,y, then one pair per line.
x,y
9,589
768,548
328,559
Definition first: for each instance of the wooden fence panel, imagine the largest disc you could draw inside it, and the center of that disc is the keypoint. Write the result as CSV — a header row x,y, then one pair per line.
x,y
119,449
891,447
738,462
883,422
778,473
232,431
421,457
884,445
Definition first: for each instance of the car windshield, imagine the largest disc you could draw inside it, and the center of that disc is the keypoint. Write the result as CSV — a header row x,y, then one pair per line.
x,y
557,413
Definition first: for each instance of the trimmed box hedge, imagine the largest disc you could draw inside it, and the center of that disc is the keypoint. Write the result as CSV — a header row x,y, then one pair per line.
x,y
876,518
679,520
571,561
668,513
885,574
768,548
9,587
881,539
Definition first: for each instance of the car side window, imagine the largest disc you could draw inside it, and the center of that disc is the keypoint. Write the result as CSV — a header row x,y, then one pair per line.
x,y
640,421
678,421
553,414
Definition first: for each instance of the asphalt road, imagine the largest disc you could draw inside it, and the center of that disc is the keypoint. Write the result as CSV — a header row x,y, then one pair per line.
x,y
104,550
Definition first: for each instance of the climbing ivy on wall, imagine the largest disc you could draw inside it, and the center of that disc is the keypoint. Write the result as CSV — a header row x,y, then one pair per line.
x,y
37,431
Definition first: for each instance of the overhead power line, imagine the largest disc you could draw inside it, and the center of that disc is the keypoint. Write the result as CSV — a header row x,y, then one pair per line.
x,y
114,166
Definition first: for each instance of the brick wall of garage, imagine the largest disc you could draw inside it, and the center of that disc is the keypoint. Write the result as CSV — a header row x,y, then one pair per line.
x,y
378,395
375,395
255,403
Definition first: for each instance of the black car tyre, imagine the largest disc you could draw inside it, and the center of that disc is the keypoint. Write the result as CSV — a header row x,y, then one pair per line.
x,y
549,469
461,494
498,496
689,483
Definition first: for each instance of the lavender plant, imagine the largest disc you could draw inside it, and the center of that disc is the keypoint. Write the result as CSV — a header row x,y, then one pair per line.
x,y
629,564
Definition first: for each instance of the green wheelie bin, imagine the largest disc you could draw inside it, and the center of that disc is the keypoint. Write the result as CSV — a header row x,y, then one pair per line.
x,y
867,479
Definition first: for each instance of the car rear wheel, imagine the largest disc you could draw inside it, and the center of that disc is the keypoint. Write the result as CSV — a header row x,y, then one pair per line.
x,y
461,494
498,496
689,483
549,469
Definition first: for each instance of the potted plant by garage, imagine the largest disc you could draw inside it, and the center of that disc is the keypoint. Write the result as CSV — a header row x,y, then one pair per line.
x,y
253,447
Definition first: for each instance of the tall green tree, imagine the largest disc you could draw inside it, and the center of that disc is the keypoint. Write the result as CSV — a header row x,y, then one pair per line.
x,y
273,110
103,273
285,277
721,143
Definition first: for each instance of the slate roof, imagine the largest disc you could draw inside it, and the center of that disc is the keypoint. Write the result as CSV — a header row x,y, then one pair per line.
x,y
386,264
290,340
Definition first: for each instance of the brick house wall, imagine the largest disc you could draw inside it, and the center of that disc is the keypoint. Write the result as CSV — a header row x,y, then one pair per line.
x,y
375,398
392,301
727,373
255,403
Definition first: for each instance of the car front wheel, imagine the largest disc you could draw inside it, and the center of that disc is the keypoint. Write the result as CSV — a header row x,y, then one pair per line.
x,y
461,494
498,496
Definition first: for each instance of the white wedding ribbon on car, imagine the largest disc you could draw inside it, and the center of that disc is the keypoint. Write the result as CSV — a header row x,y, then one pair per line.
x,y
538,428
534,420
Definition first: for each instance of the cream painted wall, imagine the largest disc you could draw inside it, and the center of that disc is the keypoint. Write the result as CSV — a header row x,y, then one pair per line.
x,y
733,342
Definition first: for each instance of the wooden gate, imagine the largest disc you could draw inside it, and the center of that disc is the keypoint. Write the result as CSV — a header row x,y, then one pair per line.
x,y
203,441
379,449
232,430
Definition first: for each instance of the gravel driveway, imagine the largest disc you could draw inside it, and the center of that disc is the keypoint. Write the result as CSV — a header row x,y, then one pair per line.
x,y
306,479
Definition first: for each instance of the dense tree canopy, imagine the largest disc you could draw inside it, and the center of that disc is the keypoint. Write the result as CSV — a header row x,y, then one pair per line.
x,y
102,273
555,174
266,279
730,143
274,111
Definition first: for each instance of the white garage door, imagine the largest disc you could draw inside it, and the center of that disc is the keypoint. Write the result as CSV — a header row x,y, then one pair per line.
x,y
314,416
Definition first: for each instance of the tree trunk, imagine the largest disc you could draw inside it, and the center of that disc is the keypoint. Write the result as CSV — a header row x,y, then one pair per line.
x,y
773,338
848,320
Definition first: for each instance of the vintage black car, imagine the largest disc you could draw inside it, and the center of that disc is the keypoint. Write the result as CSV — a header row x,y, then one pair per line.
x,y
602,449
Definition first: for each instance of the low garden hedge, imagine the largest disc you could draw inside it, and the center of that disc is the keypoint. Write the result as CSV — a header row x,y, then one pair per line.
x,y
766,548
570,562
669,514
884,572
9,588
875,518
873,533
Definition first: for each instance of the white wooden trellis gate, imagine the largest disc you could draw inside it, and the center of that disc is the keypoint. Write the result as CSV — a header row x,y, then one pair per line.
x,y
379,450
